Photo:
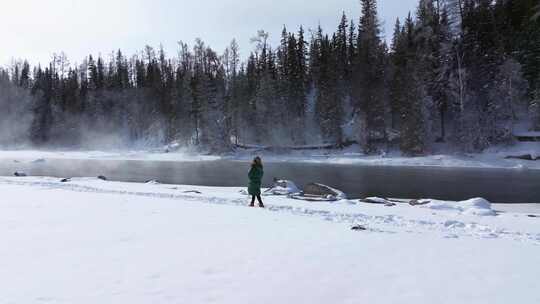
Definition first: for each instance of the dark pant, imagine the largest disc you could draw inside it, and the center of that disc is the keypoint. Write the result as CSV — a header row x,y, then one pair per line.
x,y
258,198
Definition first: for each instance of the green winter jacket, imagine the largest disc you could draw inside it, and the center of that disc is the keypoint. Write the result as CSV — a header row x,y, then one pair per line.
x,y
255,179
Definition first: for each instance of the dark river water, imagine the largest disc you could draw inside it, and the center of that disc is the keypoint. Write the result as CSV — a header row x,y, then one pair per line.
x,y
496,185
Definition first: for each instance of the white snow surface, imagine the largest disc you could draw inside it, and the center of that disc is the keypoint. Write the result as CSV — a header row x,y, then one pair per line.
x,y
93,241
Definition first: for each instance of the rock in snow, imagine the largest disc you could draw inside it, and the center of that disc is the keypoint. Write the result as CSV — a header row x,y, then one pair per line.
x,y
419,202
282,187
316,189
192,191
475,206
358,228
312,192
20,174
378,201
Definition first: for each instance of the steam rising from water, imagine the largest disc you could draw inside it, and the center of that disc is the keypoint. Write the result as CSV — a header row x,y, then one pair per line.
x,y
18,122
15,115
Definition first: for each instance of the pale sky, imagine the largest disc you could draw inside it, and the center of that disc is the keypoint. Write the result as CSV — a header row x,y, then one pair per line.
x,y
35,29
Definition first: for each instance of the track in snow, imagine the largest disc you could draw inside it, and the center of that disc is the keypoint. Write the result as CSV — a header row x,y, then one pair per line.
x,y
375,223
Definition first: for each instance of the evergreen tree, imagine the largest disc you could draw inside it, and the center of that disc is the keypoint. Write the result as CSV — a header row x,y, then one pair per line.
x,y
24,80
535,109
328,107
42,109
398,59
369,76
409,90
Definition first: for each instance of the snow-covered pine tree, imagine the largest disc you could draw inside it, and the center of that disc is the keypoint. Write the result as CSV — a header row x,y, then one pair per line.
x,y
302,85
410,92
42,109
183,124
397,57
535,109
328,104
507,95
433,37
441,83
248,108
296,92
24,79
369,76
232,64
343,70
482,55
215,135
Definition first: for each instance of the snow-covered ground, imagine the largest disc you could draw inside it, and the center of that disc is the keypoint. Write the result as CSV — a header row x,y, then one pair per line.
x,y
492,158
92,241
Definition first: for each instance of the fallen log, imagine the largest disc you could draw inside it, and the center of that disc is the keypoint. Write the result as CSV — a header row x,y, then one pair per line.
x,y
523,157
295,148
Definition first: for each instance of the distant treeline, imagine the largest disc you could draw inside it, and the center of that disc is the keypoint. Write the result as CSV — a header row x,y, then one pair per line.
x,y
458,71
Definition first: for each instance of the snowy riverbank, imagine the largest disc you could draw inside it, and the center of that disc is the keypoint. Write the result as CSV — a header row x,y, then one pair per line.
x,y
328,157
141,155
93,241
492,158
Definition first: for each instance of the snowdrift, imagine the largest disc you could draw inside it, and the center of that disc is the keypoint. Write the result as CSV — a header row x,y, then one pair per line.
x,y
475,206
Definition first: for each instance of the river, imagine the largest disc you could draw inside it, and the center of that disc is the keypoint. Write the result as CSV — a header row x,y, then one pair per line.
x,y
496,185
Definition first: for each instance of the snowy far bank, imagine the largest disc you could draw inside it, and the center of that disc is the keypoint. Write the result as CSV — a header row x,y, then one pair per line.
x,y
492,158
92,241
142,155
495,157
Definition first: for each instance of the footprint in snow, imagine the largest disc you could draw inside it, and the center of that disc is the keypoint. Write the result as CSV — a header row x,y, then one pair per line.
x,y
451,236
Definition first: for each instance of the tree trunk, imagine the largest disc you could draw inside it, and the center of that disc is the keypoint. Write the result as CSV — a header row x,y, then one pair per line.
x,y
443,121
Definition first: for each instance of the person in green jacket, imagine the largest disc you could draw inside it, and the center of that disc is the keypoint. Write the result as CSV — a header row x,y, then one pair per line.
x,y
255,179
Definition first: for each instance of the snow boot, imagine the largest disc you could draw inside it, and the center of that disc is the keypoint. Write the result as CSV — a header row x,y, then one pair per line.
x,y
261,205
